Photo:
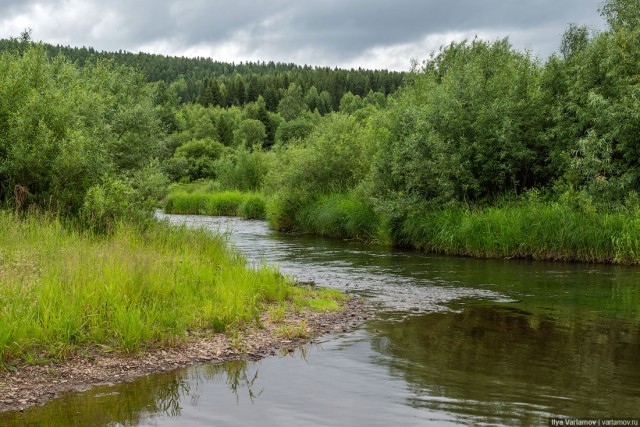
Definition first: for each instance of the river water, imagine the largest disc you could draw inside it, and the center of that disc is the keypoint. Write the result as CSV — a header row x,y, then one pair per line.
x,y
456,341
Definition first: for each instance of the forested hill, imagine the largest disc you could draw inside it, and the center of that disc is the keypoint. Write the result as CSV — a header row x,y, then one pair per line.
x,y
211,82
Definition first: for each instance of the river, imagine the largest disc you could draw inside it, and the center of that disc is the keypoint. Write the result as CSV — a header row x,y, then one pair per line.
x,y
455,341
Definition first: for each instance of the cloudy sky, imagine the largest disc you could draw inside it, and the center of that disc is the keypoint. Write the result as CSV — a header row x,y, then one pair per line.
x,y
344,33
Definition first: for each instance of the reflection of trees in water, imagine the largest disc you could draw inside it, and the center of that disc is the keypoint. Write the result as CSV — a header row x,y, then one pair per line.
x,y
237,379
140,401
125,404
503,362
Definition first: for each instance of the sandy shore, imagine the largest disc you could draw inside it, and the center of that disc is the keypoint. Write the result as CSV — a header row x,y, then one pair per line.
x,y
35,385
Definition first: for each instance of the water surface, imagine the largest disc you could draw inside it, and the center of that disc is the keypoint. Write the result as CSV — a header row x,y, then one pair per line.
x,y
457,341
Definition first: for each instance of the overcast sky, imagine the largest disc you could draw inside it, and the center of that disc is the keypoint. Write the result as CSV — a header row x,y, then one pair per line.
x,y
344,33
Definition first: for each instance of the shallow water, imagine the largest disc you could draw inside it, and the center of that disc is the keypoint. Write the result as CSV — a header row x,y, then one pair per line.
x,y
457,341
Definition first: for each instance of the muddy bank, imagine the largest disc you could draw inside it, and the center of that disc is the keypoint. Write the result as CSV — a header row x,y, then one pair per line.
x,y
36,385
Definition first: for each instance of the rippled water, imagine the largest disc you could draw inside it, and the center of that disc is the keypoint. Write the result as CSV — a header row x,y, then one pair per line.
x,y
457,341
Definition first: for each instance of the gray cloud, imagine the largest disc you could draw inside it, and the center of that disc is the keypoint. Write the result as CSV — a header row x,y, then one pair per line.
x,y
319,32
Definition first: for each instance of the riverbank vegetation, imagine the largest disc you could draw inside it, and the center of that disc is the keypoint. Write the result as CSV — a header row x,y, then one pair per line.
x,y
483,151
66,289
480,150
84,264
224,203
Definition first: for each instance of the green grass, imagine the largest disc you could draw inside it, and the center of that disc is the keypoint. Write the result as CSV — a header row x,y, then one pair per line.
x,y
62,289
534,230
317,299
340,215
225,203
529,229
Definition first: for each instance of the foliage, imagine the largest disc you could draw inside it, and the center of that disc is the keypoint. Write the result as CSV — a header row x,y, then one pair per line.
x,y
66,131
595,111
468,128
250,133
297,129
195,159
330,160
243,170
292,104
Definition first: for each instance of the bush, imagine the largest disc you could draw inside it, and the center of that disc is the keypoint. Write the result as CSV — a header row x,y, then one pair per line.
x,y
107,203
63,129
330,160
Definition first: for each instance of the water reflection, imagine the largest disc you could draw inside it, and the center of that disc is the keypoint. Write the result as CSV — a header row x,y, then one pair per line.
x,y
512,366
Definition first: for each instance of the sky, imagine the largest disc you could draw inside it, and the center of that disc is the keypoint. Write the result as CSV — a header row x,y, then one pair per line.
x,y
374,34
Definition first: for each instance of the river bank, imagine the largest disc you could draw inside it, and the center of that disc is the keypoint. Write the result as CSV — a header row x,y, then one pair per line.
x,y
30,385
526,228
79,308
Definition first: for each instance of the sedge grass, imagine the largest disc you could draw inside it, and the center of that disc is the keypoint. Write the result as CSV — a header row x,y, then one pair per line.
x,y
62,289
225,203
534,230
340,215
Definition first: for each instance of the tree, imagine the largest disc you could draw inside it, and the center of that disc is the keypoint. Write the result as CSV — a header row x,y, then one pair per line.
x,y
325,104
292,104
312,99
196,159
621,14
574,40
250,133
350,103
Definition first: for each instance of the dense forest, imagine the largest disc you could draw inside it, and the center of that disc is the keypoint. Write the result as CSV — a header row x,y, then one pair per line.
x,y
214,83
479,143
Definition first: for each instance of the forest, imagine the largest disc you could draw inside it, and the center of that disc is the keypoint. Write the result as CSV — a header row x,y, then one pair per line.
x,y
214,83
481,150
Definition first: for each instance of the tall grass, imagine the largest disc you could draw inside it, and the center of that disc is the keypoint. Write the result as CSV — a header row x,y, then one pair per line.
x,y
340,215
535,230
225,203
515,228
61,288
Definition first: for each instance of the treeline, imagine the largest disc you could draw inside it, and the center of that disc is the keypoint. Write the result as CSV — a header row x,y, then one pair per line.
x,y
215,83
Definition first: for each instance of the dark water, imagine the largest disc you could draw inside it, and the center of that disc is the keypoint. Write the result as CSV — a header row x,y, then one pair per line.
x,y
457,341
